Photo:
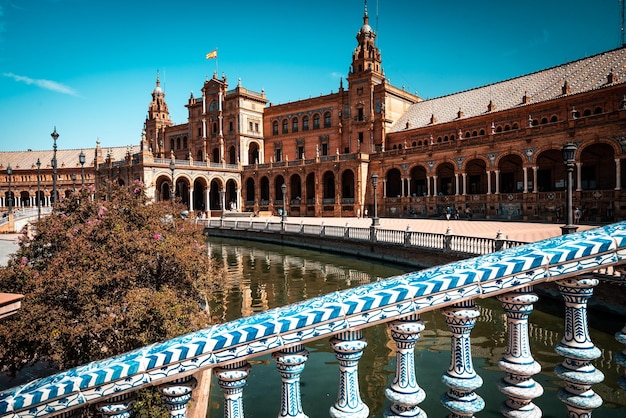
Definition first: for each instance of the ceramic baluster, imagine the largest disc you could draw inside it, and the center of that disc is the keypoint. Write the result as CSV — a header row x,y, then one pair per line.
x,y
232,379
404,391
460,377
177,394
290,362
518,362
348,347
119,406
578,350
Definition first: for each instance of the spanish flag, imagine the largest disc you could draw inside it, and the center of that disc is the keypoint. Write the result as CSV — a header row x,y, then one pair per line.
x,y
212,54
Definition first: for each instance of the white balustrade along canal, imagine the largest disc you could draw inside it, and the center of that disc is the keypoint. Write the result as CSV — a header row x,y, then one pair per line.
x,y
447,242
576,263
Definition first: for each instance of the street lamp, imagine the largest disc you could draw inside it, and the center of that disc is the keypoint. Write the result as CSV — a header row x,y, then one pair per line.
x,y
81,160
54,136
283,216
10,199
375,221
173,189
569,151
38,189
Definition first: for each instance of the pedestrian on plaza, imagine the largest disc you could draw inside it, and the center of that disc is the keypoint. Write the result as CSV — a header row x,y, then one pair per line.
x,y
448,212
577,215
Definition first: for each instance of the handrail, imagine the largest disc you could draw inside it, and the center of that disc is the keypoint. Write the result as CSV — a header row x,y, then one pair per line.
x,y
334,315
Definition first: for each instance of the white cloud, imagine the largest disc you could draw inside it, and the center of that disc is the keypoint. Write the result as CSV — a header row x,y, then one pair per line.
x,y
44,84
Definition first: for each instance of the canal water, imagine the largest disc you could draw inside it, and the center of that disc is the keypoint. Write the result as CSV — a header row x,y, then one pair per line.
x,y
263,276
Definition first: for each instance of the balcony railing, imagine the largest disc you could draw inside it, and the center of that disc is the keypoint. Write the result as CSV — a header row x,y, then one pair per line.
x,y
574,262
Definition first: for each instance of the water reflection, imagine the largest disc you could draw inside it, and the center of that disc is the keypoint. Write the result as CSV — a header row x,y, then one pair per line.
x,y
261,276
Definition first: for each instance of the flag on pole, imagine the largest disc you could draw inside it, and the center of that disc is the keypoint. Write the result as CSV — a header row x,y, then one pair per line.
x,y
212,54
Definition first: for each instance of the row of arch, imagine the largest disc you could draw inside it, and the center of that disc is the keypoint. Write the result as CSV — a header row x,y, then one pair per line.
x,y
263,191
303,121
596,168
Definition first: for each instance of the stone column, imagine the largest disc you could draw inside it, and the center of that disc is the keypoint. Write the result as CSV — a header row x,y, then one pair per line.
x,y
464,175
177,395
348,347
232,379
460,377
191,199
290,363
119,406
428,186
578,350
518,363
497,181
525,171
434,185
456,184
488,182
535,189
404,391
579,177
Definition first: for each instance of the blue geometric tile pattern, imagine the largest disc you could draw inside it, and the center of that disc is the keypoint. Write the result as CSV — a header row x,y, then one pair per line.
x,y
320,317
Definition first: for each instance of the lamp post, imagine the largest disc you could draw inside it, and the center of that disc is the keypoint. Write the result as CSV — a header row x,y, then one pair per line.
x,y
569,151
173,189
375,221
54,136
38,189
10,196
81,160
283,216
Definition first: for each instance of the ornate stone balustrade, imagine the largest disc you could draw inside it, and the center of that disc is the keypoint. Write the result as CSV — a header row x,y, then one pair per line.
x,y
571,261
408,238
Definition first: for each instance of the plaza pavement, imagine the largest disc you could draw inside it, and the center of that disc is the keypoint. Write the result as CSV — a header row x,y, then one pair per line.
x,y
517,231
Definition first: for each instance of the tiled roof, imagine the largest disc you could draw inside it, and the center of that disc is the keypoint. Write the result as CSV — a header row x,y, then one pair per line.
x,y
65,158
582,75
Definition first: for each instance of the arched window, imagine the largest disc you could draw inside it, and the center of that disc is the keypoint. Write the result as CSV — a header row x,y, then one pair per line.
x,y
327,120
285,126
294,125
275,127
305,123
554,119
316,121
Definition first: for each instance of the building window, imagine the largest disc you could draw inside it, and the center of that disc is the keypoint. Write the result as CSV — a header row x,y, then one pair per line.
x,y
294,125
300,152
316,121
279,155
327,120
359,116
256,127
250,126
185,142
285,127
324,149
275,128
305,123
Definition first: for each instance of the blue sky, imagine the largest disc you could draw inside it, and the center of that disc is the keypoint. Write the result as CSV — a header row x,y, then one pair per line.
x,y
89,67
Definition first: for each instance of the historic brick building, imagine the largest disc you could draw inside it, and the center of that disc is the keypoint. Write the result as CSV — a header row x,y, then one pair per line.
x,y
495,149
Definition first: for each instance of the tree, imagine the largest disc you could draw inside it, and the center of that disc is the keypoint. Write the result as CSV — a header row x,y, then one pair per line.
x,y
102,277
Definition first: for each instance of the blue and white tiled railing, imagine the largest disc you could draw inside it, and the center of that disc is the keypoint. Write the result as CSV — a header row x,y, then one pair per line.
x,y
572,261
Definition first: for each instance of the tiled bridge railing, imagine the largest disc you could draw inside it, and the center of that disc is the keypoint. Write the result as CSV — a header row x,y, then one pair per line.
x,y
573,261
407,238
